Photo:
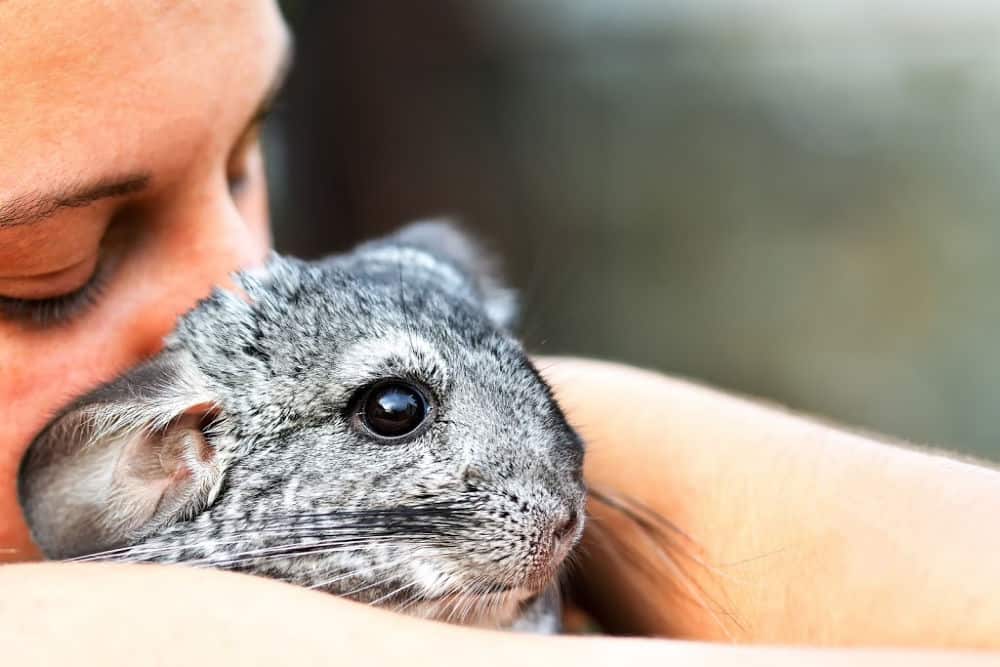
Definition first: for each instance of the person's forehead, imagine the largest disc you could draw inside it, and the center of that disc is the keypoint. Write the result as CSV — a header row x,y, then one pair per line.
x,y
87,80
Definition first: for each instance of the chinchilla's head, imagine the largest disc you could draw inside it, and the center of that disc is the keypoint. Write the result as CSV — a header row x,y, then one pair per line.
x,y
365,425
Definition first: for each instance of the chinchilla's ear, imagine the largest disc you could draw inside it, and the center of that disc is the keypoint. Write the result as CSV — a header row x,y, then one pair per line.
x,y
124,460
443,239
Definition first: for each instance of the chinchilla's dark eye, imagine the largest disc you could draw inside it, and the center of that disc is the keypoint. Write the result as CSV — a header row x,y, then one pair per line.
x,y
393,409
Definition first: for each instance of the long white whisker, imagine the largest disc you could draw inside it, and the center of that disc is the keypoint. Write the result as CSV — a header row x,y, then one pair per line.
x,y
142,552
360,570
395,592
292,551
416,597
367,586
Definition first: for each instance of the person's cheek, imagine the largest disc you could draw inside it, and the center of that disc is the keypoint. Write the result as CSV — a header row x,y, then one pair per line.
x,y
178,258
215,240
40,371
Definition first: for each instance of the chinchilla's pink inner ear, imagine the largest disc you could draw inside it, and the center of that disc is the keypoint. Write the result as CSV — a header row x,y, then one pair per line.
x,y
123,461
443,239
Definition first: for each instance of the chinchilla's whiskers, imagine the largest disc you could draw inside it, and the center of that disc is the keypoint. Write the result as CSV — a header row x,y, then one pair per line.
x,y
663,544
407,317
461,608
434,610
143,549
230,559
277,552
694,589
571,566
412,600
405,522
476,605
431,611
373,584
367,569
490,607
468,600
460,602
393,593
371,537
340,549
428,518
146,552
240,560
485,606
653,523
99,555
361,570
244,546
451,605
471,606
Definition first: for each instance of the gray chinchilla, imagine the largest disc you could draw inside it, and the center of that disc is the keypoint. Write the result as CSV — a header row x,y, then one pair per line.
x,y
365,425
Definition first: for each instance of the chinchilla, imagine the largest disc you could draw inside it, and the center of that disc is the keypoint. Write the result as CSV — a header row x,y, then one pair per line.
x,y
365,425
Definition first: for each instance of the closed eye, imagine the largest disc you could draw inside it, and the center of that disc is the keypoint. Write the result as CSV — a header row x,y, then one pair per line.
x,y
55,310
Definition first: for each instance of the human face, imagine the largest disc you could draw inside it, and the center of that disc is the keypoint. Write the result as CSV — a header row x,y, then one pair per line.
x,y
131,182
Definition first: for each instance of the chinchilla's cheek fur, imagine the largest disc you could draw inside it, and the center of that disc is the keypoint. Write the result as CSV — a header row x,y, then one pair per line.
x,y
364,425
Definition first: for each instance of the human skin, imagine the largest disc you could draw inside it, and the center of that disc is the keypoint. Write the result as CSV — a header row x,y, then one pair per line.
x,y
229,619
801,533
94,90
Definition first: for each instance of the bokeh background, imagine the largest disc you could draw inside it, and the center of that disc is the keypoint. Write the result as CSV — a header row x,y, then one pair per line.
x,y
796,200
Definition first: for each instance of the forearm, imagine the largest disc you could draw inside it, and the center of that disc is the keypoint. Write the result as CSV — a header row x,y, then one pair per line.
x,y
810,534
124,615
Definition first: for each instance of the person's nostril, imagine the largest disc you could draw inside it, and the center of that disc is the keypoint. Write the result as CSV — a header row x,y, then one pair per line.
x,y
568,526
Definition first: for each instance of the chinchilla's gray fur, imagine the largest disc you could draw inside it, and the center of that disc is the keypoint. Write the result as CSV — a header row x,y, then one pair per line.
x,y
236,446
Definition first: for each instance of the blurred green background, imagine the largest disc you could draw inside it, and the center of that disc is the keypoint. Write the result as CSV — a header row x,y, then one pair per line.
x,y
791,200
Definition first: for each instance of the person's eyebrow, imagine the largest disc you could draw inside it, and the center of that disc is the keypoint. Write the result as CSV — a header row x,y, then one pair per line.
x,y
34,207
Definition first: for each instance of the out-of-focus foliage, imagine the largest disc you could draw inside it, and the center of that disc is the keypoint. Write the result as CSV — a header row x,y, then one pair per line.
x,y
793,200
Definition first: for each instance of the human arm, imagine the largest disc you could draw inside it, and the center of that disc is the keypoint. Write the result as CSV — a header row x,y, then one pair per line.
x,y
808,534
113,615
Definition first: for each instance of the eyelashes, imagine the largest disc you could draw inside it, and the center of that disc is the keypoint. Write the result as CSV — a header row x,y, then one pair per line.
x,y
60,310
237,166
55,310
